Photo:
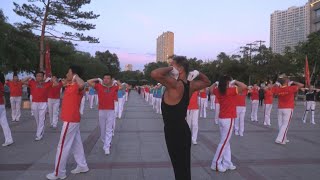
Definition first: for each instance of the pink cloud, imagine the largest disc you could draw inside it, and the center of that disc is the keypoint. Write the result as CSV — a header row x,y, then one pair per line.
x,y
136,59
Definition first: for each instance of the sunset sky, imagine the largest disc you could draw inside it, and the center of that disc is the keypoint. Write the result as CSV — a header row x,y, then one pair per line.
x,y
202,28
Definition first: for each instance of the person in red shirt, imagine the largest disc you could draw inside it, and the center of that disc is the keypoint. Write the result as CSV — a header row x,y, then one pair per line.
x,y
268,100
15,97
214,90
254,102
285,92
54,101
227,92
107,94
39,89
241,112
193,116
3,116
203,102
70,138
147,92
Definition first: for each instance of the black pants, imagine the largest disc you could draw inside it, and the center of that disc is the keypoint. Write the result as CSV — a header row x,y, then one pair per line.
x,y
178,140
261,101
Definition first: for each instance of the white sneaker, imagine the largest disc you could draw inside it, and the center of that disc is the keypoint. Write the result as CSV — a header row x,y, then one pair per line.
x,y
220,169
194,142
241,134
313,123
287,141
279,142
7,143
78,170
236,133
38,138
265,123
52,176
232,168
107,151
304,122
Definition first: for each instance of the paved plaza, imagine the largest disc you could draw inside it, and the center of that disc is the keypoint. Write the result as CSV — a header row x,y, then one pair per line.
x,y
139,151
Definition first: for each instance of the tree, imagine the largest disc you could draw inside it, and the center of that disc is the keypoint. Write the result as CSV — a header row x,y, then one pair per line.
x,y
45,15
110,60
18,49
131,77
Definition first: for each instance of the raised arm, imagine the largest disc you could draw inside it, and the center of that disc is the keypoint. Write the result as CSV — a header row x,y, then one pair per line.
x,y
241,86
79,81
199,84
162,75
92,82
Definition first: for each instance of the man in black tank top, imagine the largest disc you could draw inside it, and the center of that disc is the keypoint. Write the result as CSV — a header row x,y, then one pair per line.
x,y
174,106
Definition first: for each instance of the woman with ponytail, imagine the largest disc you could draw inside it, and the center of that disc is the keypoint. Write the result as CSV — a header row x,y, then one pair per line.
x,y
226,94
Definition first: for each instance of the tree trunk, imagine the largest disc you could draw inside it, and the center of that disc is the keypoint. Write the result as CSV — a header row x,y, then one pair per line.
x,y
43,31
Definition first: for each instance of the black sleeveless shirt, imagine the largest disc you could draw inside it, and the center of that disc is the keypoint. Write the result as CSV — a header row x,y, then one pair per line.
x,y
174,115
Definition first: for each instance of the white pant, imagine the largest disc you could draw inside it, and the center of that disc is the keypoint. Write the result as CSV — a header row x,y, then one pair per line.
x,y
216,114
53,106
267,112
70,141
203,107
4,124
31,105
192,120
83,101
96,99
158,105
150,98
212,99
106,122
39,110
154,99
127,94
284,118
15,108
146,96
91,99
222,157
239,122
254,110
310,106
120,109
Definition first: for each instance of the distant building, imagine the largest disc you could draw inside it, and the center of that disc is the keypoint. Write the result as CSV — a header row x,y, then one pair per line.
x,y
289,27
314,15
165,46
128,67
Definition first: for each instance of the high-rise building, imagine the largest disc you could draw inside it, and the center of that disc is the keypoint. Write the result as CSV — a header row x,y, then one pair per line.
x,y
165,46
314,15
128,67
289,27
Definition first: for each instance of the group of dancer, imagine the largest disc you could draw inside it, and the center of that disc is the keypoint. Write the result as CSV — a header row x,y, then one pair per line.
x,y
180,96
187,90
45,97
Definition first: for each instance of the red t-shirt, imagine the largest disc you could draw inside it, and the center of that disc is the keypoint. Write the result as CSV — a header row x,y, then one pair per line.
x,y
146,90
214,92
228,103
193,103
255,94
286,96
15,88
203,94
54,91
241,98
106,96
71,103
39,91
268,96
1,94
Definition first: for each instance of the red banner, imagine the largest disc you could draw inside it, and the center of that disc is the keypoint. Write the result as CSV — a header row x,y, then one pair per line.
x,y
307,73
48,63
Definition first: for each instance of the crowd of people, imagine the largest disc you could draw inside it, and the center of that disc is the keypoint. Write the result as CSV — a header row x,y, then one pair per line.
x,y
180,96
